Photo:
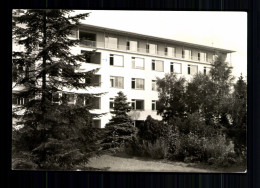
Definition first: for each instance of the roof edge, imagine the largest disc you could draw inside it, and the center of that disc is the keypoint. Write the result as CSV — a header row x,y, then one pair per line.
x,y
156,38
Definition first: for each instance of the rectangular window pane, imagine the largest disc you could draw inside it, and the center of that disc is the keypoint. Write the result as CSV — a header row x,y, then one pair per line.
x,y
153,105
112,43
80,99
188,69
159,65
133,46
202,56
152,48
153,85
133,83
193,69
139,105
117,82
112,82
137,63
187,54
170,51
139,84
177,68
111,103
95,102
153,65
111,59
118,60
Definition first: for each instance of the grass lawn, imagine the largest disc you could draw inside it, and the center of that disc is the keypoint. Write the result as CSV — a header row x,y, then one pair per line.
x,y
109,162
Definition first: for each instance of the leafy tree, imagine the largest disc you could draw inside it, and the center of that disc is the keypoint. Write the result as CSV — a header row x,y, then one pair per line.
x,y
171,96
151,130
120,127
239,116
221,76
54,133
200,97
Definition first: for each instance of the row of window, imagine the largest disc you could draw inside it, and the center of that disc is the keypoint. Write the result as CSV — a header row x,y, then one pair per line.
x,y
157,65
136,104
113,43
81,99
89,39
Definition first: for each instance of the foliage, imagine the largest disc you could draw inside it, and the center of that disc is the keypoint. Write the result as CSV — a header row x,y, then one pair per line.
x,y
120,110
206,106
171,96
151,130
120,127
196,143
57,134
145,148
237,131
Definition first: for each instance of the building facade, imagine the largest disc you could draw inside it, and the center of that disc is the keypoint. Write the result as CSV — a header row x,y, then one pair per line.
x,y
131,62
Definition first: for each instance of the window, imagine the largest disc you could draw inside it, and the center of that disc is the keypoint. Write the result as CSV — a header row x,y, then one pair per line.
x,y
117,82
93,102
68,98
175,68
73,34
137,104
151,48
19,100
92,57
137,83
154,88
96,80
186,54
96,123
116,60
192,69
111,103
206,70
81,99
170,51
203,56
155,105
157,65
132,45
137,63
111,42
87,36
19,69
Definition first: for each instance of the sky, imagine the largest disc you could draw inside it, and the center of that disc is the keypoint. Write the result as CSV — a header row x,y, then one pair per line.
x,y
226,30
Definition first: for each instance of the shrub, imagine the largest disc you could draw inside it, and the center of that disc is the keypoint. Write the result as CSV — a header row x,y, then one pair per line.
x,y
143,148
191,140
151,130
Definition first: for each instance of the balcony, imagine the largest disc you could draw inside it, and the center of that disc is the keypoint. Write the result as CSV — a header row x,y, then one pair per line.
x,y
144,51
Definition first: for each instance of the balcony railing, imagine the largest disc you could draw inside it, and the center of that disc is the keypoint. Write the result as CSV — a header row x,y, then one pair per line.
x,y
94,44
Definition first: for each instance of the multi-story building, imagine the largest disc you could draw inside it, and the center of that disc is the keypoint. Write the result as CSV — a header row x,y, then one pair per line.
x,y
131,62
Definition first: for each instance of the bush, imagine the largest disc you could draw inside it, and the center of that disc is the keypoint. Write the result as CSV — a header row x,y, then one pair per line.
x,y
151,130
191,140
143,148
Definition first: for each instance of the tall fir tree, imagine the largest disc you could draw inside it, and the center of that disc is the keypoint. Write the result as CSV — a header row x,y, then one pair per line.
x,y
54,133
120,127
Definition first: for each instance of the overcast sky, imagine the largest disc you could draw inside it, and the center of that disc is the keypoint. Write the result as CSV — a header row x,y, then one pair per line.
x,y
226,30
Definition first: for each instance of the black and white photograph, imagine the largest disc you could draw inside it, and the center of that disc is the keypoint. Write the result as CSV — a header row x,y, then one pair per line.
x,y
129,91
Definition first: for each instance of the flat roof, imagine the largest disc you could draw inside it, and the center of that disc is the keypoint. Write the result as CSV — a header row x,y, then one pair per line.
x,y
104,29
